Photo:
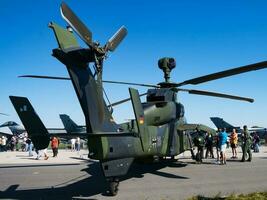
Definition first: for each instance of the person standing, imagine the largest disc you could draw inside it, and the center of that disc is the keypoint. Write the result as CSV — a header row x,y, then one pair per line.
x,y
54,145
256,143
223,144
233,143
217,145
13,143
246,142
24,146
199,142
4,139
30,145
209,145
72,141
0,144
78,144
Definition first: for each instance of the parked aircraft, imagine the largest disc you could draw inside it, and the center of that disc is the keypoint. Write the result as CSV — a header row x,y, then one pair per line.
x,y
220,123
7,134
39,134
14,127
70,126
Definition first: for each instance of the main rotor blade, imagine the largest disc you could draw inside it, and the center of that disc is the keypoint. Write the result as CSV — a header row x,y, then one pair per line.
x,y
4,114
44,77
136,84
66,78
77,25
215,94
226,73
116,39
124,100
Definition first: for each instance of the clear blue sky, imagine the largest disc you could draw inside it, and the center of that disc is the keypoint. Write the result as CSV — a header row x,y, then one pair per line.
x,y
203,36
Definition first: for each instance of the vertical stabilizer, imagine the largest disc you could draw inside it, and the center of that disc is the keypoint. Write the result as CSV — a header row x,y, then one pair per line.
x,y
221,124
97,116
139,115
31,121
68,123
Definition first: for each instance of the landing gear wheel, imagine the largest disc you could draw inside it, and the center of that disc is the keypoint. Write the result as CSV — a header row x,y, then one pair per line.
x,y
113,186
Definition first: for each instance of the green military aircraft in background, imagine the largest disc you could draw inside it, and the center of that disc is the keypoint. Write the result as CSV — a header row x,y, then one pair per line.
x,y
159,127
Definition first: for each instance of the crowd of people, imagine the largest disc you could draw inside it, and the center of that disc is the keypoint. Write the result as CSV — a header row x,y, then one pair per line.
x,y
221,141
203,140
15,143
24,143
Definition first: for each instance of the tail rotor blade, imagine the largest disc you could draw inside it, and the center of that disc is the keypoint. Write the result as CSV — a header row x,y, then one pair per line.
x,y
75,23
116,39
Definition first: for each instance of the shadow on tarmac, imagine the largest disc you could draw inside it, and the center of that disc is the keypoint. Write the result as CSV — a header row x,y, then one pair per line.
x,y
234,160
36,165
87,187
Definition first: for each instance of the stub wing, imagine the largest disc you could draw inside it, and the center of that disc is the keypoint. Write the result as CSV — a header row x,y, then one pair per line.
x,y
192,127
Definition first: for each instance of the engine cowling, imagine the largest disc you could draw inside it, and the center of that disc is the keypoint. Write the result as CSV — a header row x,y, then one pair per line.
x,y
157,114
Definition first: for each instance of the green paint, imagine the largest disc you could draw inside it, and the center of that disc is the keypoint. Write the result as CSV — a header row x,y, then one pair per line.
x,y
65,38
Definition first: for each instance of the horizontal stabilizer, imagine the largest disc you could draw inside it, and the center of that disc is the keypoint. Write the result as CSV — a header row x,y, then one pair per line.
x,y
66,39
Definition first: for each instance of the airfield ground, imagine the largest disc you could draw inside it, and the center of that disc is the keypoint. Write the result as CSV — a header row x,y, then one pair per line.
x,y
72,175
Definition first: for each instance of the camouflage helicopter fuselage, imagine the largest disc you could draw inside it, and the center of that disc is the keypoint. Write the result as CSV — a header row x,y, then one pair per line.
x,y
153,132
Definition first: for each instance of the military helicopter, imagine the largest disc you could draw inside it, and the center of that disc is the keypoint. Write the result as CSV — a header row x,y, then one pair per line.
x,y
155,130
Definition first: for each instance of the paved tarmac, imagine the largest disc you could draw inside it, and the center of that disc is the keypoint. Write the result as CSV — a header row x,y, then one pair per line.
x,y
73,176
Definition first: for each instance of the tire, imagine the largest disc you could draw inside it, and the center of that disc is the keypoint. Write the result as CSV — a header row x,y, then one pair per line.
x,y
113,187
